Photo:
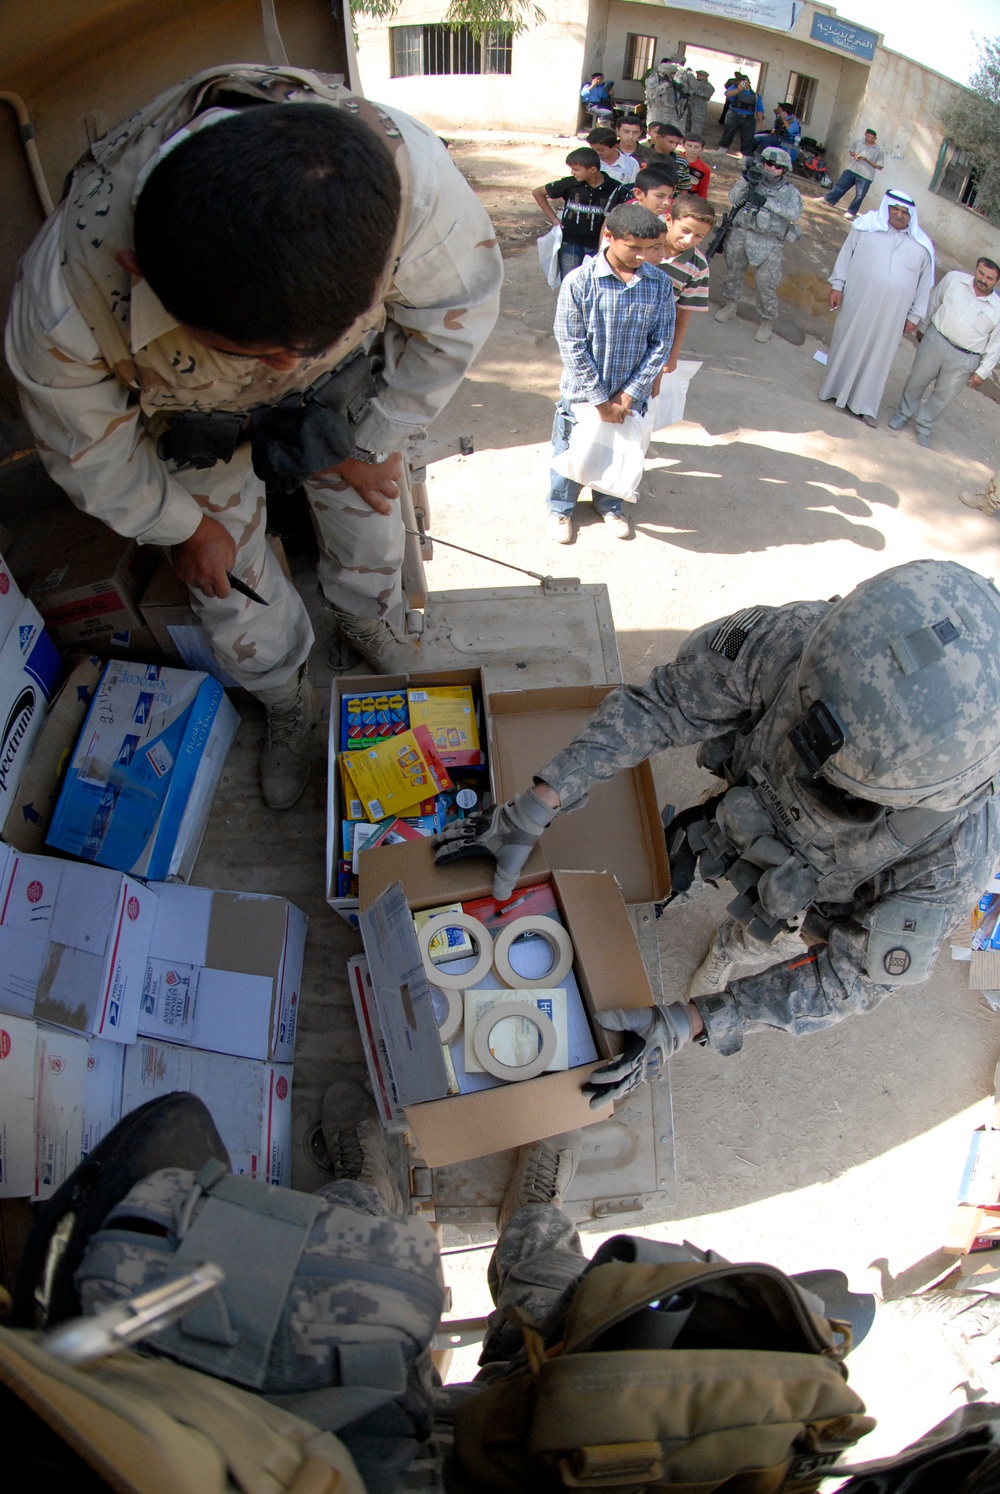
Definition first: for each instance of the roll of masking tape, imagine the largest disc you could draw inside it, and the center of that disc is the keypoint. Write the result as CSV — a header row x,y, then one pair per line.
x,y
453,1018
515,1072
448,980
558,941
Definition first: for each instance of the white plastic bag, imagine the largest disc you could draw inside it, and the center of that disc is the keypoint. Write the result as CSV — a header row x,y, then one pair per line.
x,y
548,254
668,406
609,458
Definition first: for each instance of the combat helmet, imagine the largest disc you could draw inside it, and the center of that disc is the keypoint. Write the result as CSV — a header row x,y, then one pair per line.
x,y
900,688
774,155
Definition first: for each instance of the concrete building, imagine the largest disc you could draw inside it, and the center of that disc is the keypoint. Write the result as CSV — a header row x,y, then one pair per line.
x,y
838,73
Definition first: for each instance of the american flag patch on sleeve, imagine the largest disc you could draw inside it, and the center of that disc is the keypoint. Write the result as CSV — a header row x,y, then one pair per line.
x,y
733,633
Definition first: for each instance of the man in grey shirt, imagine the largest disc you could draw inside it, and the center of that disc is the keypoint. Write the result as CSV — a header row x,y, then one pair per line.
x,y
866,158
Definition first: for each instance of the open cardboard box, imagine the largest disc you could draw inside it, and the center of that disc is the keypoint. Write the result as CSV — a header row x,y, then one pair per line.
x,y
609,971
617,831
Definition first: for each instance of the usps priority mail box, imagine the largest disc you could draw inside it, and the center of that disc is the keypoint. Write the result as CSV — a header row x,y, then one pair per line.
x,y
74,941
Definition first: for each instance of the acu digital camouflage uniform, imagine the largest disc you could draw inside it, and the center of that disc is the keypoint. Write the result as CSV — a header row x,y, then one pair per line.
x,y
102,366
701,91
861,894
756,240
667,95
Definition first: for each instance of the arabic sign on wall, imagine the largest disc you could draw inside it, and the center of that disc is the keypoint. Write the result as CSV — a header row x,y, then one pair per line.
x,y
780,15
843,35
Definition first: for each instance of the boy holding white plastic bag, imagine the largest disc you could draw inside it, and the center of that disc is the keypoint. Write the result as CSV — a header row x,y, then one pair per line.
x,y
614,326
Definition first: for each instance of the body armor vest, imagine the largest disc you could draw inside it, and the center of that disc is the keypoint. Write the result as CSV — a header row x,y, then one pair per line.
x,y
787,842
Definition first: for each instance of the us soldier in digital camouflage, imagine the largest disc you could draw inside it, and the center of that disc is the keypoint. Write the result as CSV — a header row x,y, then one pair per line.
x,y
256,277
858,746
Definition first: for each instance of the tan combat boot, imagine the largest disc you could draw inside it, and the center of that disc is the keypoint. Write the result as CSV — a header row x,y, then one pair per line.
x,y
355,1141
727,313
380,642
292,712
763,332
712,975
987,502
542,1173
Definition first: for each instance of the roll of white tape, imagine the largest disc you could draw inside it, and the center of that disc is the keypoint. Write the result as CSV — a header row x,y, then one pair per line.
x,y
558,941
447,980
453,1018
515,1072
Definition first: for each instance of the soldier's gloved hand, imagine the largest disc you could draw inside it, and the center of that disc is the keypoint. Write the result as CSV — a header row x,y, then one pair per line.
x,y
652,1035
507,832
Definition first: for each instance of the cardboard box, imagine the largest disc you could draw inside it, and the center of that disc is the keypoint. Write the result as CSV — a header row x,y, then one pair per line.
x,y
373,1042
609,971
95,588
618,831
224,972
30,672
102,1091
18,1078
74,941
34,800
140,784
59,1107
250,1102
375,685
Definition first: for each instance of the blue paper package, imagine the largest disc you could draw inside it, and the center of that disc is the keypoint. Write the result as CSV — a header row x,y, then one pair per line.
x,y
140,784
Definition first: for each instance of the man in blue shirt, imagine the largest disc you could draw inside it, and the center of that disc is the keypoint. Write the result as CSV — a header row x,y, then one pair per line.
x,y
744,104
784,133
614,326
597,96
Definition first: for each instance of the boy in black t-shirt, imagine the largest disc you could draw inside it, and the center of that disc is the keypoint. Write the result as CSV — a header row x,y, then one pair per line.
x,y
586,195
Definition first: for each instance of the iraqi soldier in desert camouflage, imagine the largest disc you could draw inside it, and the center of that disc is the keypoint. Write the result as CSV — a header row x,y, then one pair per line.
x,y
857,745
767,211
256,276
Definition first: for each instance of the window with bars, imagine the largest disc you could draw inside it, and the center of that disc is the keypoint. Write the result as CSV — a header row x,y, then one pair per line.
x,y
435,50
955,177
801,95
639,54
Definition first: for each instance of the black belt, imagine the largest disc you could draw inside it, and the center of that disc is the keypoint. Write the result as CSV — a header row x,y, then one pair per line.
x,y
967,351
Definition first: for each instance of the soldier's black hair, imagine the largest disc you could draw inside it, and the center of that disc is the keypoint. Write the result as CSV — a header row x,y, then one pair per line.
x,y
271,228
633,221
602,136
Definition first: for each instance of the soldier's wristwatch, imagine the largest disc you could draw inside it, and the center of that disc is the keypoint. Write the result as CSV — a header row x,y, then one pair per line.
x,y
373,458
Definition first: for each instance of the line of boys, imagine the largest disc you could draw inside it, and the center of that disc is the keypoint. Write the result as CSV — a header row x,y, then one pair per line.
x,y
604,173
620,325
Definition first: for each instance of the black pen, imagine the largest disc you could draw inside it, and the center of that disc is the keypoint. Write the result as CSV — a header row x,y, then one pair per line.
x,y
245,590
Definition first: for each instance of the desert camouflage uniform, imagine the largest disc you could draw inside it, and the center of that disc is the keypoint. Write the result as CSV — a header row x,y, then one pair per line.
x,y
732,689
96,414
755,242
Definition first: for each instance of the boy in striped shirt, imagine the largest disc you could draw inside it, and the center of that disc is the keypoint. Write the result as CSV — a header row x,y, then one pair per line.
x,y
676,252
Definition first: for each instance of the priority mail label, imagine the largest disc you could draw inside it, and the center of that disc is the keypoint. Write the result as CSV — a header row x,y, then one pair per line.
x,y
169,998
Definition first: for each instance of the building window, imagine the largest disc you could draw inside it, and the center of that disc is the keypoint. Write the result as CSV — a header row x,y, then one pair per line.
x,y
801,94
433,50
955,177
639,54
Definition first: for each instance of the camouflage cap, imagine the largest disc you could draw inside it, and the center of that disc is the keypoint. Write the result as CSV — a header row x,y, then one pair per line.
x,y
775,156
910,663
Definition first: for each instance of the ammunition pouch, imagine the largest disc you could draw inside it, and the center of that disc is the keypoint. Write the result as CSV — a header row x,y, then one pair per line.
x,y
200,438
310,432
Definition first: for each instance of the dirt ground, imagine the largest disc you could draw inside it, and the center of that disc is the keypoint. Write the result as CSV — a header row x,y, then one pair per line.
x,y
843,1148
